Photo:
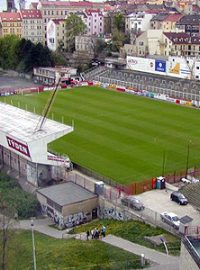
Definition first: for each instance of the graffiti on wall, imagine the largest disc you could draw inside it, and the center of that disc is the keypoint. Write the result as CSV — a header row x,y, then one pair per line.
x,y
111,213
75,219
68,221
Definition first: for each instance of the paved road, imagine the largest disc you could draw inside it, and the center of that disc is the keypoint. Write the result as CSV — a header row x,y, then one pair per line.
x,y
167,262
42,226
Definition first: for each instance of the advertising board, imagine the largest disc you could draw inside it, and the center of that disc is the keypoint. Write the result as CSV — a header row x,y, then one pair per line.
x,y
160,65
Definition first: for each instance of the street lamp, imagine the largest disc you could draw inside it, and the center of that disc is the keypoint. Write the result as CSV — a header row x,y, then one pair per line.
x,y
187,159
163,163
33,244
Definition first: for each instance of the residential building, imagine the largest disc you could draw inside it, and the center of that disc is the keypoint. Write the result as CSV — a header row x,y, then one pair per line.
x,y
94,22
190,24
85,44
157,21
56,34
181,44
149,43
169,23
138,22
60,9
10,24
32,25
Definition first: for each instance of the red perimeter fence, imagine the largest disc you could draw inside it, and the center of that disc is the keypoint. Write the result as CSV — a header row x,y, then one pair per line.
x,y
137,188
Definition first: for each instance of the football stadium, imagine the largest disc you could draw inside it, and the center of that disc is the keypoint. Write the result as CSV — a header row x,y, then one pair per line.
x,y
122,137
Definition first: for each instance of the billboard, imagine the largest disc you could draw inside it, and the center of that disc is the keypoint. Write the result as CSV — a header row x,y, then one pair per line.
x,y
141,64
160,65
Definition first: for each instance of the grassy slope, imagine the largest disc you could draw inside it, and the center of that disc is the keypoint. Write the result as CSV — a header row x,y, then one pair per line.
x,y
135,232
122,136
55,254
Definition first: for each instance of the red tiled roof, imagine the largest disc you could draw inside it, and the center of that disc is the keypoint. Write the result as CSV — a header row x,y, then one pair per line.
x,y
66,3
90,11
31,14
173,17
10,17
57,21
182,38
153,11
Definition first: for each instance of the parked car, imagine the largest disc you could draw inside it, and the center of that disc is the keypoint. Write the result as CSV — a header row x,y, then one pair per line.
x,y
185,180
171,219
133,203
179,198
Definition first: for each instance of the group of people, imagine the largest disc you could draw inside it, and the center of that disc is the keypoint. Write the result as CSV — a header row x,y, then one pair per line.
x,y
96,233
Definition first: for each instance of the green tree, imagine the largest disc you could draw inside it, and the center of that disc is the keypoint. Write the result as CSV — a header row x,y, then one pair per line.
x,y
119,22
118,35
118,38
8,59
74,27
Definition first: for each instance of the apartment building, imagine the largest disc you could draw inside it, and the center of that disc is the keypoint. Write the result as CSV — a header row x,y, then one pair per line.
x,y
169,23
138,22
149,43
60,9
190,24
181,44
94,21
56,34
10,24
32,25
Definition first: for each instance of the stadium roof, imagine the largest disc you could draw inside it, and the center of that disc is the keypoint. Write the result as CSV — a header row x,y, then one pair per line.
x,y
66,193
21,124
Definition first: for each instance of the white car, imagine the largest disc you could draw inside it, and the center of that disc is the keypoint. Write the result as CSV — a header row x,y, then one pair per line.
x,y
185,180
171,219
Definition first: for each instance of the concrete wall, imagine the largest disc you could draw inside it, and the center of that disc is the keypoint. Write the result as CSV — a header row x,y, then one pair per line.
x,y
84,206
186,260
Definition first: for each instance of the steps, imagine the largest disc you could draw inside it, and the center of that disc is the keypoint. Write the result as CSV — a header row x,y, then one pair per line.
x,y
192,193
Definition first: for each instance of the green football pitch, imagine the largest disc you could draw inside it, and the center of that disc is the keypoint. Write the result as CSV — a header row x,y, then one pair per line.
x,y
120,136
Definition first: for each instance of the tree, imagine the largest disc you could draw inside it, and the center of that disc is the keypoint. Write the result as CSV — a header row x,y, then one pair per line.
x,y
118,36
74,27
6,221
119,22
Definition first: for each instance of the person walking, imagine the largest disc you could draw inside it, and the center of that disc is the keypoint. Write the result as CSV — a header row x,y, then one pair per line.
x,y
87,234
103,231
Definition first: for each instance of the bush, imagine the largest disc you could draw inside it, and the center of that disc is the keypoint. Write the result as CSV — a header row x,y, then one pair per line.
x,y
25,204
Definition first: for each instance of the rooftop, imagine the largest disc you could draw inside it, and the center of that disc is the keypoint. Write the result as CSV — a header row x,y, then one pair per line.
x,y
173,17
66,193
31,14
10,16
21,124
192,244
182,38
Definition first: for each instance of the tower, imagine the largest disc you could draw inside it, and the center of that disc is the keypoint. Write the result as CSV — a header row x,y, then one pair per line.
x,y
10,5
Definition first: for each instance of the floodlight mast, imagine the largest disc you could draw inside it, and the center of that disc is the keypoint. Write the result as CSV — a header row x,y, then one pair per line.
x,y
47,107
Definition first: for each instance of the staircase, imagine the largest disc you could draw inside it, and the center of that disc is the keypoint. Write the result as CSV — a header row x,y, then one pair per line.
x,y
192,193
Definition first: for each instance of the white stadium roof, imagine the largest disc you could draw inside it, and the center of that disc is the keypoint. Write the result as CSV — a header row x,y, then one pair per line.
x,y
22,124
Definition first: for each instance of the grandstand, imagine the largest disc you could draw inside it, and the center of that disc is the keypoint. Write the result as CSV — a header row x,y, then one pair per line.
x,y
171,86
24,150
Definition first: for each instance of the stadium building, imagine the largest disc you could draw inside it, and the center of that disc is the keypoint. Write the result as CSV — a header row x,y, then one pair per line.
x,y
23,147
